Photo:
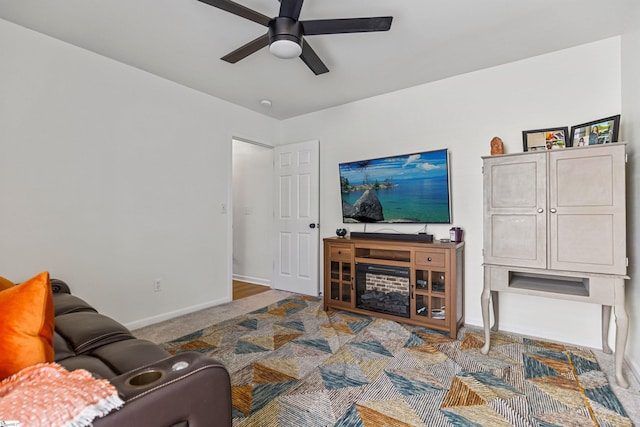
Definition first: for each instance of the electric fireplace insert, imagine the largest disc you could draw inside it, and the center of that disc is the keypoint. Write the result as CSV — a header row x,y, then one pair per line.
x,y
383,288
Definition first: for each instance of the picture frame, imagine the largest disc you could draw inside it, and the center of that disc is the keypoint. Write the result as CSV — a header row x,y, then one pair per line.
x,y
606,131
545,139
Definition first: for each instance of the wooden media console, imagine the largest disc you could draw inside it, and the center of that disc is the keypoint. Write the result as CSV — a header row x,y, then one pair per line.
x,y
407,281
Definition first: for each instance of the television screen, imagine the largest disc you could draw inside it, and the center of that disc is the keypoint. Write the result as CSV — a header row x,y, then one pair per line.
x,y
410,188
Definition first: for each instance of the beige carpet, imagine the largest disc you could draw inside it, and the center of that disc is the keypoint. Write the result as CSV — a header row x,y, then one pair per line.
x,y
183,325
179,326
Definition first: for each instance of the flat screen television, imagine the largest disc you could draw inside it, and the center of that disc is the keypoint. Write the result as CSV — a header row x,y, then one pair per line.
x,y
409,188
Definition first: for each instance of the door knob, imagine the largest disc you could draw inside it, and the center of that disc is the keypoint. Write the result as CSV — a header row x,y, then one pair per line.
x,y
312,225
540,210
553,210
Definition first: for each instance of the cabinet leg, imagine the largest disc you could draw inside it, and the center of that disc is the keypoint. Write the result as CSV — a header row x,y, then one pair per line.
x,y
622,328
606,318
484,302
496,310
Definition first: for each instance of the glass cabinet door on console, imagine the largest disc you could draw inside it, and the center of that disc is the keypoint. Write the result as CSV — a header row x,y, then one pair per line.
x,y
341,275
431,284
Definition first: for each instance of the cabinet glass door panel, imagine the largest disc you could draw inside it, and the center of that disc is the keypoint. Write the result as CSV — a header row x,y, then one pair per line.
x,y
346,282
341,273
430,295
422,306
346,292
438,308
335,270
438,281
346,272
422,280
335,291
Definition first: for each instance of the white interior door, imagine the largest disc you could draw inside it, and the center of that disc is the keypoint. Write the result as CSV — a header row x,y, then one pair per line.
x,y
296,211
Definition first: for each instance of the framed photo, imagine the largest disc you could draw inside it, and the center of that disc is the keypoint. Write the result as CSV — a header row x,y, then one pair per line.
x,y
603,131
545,139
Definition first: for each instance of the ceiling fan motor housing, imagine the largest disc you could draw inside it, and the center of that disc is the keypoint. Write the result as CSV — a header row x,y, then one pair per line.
x,y
285,28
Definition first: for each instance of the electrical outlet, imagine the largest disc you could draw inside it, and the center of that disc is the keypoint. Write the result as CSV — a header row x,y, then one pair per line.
x,y
157,287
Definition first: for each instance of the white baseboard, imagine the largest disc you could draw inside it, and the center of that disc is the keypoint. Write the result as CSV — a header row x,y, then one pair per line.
x,y
254,280
137,324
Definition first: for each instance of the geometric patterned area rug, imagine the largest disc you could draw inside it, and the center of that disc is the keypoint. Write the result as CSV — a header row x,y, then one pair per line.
x,y
292,364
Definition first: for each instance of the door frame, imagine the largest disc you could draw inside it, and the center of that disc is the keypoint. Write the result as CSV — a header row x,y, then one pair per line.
x,y
230,208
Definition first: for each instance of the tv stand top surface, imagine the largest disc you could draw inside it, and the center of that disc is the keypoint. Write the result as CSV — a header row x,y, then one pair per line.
x,y
391,241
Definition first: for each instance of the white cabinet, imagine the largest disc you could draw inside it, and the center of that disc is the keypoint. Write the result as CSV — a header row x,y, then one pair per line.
x,y
557,209
555,226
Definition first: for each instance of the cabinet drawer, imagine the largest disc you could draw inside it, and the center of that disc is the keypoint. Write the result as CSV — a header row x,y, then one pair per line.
x,y
430,258
342,253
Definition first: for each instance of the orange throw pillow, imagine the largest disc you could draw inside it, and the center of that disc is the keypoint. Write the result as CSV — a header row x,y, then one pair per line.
x,y
26,325
5,283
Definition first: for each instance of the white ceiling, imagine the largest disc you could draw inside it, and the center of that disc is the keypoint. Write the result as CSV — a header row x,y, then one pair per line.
x,y
182,40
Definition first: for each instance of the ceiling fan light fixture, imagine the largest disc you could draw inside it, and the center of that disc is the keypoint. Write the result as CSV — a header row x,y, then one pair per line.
x,y
285,37
286,32
285,49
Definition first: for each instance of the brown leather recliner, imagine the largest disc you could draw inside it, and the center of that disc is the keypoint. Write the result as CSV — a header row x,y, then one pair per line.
x,y
188,389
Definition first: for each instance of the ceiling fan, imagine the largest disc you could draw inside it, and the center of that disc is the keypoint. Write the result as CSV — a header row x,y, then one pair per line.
x,y
285,36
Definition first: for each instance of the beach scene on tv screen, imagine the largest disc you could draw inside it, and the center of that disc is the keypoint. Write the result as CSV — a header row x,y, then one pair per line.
x,y
412,188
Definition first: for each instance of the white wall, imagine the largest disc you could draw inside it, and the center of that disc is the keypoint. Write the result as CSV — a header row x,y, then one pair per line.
x,y
252,212
111,177
463,113
631,132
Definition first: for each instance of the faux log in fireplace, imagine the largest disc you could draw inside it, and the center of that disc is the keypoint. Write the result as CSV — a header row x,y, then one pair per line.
x,y
382,288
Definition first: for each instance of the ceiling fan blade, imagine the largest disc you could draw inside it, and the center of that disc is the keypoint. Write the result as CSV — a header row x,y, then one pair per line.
x,y
312,60
291,8
348,25
238,9
246,50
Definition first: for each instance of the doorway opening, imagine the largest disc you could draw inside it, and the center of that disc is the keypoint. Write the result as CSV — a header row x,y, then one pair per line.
x,y
252,217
